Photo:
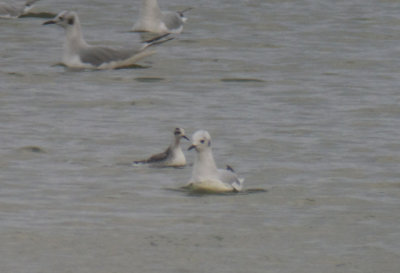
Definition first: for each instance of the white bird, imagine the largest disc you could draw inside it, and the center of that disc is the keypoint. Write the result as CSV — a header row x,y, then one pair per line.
x,y
15,10
172,156
152,19
79,54
205,176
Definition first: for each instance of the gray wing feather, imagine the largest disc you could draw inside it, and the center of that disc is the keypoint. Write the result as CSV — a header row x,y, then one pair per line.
x,y
157,157
100,55
227,176
231,178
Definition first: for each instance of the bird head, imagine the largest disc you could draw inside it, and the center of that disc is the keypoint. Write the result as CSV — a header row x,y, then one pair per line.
x,y
180,133
201,140
65,19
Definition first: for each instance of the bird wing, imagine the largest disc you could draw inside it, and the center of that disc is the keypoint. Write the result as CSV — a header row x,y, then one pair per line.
x,y
97,55
231,178
157,157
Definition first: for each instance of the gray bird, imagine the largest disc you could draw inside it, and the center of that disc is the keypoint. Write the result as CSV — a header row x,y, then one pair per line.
x,y
15,10
79,54
152,19
172,156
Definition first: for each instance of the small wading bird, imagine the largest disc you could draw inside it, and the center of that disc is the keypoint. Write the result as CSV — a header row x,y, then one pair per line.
x,y
79,54
205,176
172,156
17,9
152,19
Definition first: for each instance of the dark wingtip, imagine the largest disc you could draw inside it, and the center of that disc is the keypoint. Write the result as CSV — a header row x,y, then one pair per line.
x,y
50,22
181,12
139,162
157,38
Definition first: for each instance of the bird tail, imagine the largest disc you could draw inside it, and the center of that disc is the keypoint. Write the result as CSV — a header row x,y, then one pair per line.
x,y
157,40
137,162
181,12
238,184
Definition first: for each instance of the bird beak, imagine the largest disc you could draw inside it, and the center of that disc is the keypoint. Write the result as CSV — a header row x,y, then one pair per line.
x,y
191,147
185,137
49,22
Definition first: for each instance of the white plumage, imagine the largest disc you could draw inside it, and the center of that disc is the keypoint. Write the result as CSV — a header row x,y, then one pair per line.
x,y
205,176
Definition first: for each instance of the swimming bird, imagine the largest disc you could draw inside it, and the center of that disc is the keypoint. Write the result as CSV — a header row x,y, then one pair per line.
x,y
15,10
205,176
152,19
79,54
172,156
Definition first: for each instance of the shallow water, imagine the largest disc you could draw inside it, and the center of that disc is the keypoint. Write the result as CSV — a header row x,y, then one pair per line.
x,y
300,97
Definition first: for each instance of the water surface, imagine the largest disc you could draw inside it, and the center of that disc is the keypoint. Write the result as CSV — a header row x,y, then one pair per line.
x,y
300,97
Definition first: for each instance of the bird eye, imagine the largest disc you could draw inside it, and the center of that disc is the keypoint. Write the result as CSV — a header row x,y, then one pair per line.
x,y
71,21
202,141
